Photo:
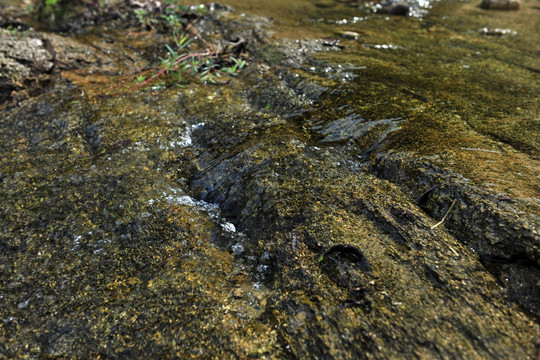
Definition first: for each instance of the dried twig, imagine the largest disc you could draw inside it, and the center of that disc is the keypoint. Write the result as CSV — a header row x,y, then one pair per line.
x,y
445,215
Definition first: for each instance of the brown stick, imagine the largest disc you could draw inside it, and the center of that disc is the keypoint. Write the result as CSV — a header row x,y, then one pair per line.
x,y
445,215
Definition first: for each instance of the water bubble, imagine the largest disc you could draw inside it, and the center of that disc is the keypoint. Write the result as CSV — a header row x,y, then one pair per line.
x,y
228,227
258,286
265,257
23,304
238,249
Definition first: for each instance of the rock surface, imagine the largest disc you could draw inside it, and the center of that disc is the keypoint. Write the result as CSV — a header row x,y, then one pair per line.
x,y
283,215
26,65
501,4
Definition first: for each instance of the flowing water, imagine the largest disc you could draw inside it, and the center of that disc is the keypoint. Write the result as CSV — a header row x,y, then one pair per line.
x,y
281,215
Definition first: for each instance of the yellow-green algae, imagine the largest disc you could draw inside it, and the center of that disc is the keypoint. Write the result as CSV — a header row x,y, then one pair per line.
x,y
458,88
428,286
467,95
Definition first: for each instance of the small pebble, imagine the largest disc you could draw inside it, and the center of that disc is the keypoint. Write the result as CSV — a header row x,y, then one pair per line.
x,y
353,35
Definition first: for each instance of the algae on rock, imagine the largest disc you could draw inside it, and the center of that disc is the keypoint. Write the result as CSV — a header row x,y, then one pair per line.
x,y
191,222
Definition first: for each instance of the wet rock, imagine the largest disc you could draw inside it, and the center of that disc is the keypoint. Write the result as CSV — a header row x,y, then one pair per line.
x,y
306,195
312,199
347,34
400,9
26,65
501,4
117,218
367,134
329,209
507,240
72,54
30,61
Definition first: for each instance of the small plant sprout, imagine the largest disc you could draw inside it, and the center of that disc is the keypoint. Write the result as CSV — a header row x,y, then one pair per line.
x,y
173,20
233,70
208,60
140,79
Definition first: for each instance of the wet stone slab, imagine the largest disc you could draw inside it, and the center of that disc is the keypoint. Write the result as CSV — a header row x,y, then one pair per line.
x,y
294,212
